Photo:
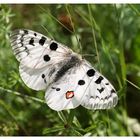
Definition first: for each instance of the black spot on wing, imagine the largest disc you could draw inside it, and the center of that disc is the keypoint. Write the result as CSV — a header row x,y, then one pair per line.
x,y
113,91
81,82
91,72
98,81
26,32
35,34
42,40
53,46
21,39
101,90
46,58
105,98
31,41
97,97
57,89
43,76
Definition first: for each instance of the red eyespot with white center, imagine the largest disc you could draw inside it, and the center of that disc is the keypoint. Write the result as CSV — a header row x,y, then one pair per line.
x,y
69,94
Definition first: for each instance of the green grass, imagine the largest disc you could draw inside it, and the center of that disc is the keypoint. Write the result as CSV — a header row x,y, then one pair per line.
x,y
107,35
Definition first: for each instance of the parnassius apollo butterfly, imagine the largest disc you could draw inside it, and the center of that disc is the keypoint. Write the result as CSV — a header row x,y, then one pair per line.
x,y
69,80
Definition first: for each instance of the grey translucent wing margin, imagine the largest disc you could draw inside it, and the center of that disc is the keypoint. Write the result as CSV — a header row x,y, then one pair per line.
x,y
28,45
28,36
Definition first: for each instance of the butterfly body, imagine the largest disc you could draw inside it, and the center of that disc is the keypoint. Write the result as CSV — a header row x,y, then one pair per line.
x,y
73,61
68,79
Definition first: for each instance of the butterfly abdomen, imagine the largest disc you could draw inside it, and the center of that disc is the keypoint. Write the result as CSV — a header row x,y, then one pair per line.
x,y
70,63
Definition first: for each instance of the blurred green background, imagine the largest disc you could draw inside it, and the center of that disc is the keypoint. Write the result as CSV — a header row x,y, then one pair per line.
x,y
109,33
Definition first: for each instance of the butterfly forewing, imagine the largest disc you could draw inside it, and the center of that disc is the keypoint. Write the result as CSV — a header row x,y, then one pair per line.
x,y
33,49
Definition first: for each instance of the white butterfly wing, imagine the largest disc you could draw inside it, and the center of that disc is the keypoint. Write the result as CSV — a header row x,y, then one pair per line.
x,y
81,85
35,50
61,95
37,79
39,57
40,79
100,94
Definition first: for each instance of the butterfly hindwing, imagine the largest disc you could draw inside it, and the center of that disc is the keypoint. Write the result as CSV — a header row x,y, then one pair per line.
x,y
37,79
82,85
101,94
61,95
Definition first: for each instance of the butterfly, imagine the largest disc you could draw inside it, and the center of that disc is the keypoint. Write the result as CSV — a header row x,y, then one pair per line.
x,y
68,79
